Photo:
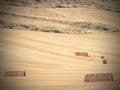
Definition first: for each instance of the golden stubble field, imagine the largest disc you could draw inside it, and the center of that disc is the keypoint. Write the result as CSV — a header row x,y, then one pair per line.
x,y
50,63
49,59
66,20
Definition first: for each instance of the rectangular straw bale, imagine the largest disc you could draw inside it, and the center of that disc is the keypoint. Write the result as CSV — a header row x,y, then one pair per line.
x,y
14,74
98,77
81,54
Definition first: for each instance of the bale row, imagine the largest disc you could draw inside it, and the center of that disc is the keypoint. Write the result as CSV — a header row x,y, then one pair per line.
x,y
81,54
98,77
14,74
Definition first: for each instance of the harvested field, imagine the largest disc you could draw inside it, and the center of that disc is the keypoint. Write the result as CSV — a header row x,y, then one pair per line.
x,y
59,20
50,63
60,44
